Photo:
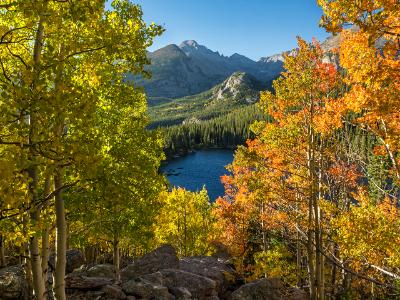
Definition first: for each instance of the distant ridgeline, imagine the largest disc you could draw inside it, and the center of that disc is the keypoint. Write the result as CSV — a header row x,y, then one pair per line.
x,y
202,99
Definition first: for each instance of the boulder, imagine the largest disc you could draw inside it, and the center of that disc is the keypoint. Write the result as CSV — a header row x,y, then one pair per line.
x,y
104,271
163,257
13,284
200,287
295,294
263,289
147,290
86,283
75,259
113,292
87,295
181,293
214,268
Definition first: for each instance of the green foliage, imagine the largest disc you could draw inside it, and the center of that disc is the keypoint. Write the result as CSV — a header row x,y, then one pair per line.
x,y
185,221
68,109
277,261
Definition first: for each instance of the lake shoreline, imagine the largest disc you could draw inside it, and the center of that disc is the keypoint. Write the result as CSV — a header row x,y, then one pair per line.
x,y
181,153
199,168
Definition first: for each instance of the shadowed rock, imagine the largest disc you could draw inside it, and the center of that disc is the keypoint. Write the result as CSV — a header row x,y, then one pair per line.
x,y
13,284
161,258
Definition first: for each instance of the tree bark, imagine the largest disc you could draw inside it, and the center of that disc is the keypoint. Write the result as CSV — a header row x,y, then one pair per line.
x,y
311,203
45,239
116,257
61,238
36,263
2,252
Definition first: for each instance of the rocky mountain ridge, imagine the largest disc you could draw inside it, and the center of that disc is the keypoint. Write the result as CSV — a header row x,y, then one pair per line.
x,y
191,68
239,87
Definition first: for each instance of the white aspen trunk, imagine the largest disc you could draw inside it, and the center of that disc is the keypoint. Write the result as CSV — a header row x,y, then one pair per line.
x,y
25,257
39,287
317,221
298,261
35,265
45,240
61,238
310,237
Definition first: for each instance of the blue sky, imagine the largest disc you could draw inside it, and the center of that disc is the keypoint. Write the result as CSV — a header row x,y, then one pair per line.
x,y
254,28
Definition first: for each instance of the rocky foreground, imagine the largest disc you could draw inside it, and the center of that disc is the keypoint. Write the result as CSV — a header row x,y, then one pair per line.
x,y
157,275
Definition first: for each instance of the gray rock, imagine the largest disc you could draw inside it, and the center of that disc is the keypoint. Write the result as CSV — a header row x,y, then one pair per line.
x,y
163,257
86,283
105,271
295,294
75,259
13,284
88,295
211,267
143,289
157,278
239,87
200,287
181,293
113,292
263,289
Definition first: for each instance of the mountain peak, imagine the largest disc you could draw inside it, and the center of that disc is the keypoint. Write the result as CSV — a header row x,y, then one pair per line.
x,y
189,43
239,87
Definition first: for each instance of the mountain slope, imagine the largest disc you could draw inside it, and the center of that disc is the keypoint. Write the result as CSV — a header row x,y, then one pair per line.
x,y
239,90
192,68
175,75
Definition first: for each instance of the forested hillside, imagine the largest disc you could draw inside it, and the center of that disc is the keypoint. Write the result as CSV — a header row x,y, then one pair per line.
x,y
226,131
220,117
311,207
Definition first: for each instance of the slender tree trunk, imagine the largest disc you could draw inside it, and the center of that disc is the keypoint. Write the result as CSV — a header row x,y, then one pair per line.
x,y
61,237
45,240
311,215
390,152
36,262
298,261
45,255
334,272
2,252
310,254
25,259
116,257
185,232
317,223
34,251
264,238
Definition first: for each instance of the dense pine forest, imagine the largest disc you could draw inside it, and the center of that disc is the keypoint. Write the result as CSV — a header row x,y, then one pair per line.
x,y
311,207
226,131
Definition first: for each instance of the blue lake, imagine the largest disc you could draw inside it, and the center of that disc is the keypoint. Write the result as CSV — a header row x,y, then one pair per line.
x,y
198,169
